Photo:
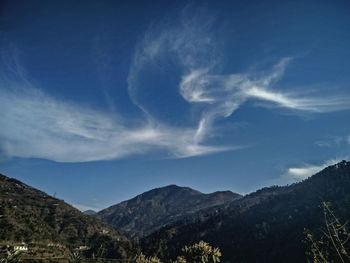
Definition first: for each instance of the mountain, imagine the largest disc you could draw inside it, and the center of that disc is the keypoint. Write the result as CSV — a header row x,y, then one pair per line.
x,y
90,212
151,210
31,216
265,226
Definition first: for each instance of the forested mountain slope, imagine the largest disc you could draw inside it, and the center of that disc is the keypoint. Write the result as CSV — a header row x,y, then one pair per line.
x,y
151,210
266,226
31,216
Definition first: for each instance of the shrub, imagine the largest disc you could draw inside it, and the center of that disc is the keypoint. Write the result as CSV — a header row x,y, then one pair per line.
x,y
200,252
75,257
11,257
333,245
141,258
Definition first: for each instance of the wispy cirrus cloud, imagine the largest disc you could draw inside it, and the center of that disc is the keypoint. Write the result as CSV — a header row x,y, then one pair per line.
x,y
192,45
35,124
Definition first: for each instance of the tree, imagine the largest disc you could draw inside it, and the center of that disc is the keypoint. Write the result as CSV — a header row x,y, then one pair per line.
x,y
333,245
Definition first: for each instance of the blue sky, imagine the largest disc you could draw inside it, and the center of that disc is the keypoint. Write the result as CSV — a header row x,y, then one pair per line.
x,y
102,100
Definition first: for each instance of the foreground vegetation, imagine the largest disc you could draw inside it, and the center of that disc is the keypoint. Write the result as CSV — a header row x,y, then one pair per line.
x,y
330,244
333,244
200,252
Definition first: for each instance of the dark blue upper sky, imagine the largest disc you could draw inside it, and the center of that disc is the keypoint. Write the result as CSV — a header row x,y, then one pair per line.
x,y
102,100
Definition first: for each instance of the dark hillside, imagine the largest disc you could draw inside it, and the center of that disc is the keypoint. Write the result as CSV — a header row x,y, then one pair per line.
x,y
31,216
266,226
151,210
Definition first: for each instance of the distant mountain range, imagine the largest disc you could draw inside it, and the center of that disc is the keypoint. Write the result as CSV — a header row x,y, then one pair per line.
x,y
148,212
265,226
31,216
89,212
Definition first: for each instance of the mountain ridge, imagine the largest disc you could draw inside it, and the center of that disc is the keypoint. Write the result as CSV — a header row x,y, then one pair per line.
x,y
264,226
148,211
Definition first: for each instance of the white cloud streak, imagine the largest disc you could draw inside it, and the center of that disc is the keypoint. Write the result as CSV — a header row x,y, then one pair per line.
x,y
34,124
223,94
192,45
37,125
295,174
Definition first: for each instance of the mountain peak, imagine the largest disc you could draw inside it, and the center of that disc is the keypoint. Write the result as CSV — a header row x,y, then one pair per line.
x,y
254,224
159,207
90,212
172,188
